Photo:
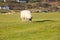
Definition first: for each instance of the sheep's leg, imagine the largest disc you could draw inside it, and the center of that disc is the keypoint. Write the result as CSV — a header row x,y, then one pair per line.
x,y
25,19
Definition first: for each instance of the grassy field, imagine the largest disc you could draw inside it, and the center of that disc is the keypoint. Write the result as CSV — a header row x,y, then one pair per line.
x,y
44,26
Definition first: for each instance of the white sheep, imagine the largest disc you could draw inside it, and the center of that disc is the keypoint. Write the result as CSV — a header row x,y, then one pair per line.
x,y
26,15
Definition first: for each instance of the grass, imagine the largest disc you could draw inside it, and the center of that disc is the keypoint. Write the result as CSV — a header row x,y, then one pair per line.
x,y
45,26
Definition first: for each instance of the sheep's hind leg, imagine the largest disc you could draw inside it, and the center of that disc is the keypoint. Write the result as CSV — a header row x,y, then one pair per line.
x,y
23,19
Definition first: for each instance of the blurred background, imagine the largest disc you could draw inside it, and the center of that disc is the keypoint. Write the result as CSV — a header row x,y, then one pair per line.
x,y
33,5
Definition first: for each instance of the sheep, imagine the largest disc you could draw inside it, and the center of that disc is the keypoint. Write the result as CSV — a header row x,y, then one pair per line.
x,y
26,15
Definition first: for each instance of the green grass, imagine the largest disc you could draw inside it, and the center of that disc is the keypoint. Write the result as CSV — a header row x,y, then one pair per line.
x,y
44,26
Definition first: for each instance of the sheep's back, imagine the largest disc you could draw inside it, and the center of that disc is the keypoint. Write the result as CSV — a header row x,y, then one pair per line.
x,y
26,13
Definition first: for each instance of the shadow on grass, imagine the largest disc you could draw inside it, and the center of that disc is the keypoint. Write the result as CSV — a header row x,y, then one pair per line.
x,y
44,21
